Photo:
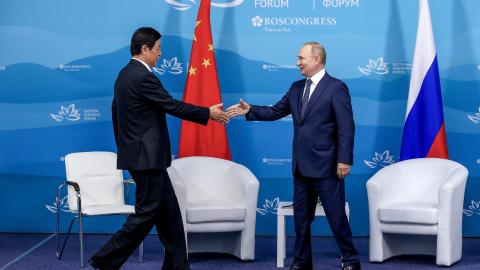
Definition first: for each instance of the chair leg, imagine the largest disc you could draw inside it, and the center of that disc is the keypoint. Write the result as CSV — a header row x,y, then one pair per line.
x,y
57,231
80,235
140,252
59,253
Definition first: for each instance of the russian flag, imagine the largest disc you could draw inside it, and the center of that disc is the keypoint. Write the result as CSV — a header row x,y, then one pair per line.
x,y
424,131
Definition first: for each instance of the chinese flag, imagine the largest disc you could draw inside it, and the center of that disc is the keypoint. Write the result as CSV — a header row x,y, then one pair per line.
x,y
203,89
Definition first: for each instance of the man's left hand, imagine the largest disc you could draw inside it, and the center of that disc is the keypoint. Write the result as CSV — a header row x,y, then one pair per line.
x,y
343,170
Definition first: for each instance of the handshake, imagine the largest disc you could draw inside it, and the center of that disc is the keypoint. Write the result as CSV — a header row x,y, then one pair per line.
x,y
223,117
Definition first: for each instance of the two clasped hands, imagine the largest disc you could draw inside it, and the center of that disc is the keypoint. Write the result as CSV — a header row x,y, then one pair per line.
x,y
242,108
223,117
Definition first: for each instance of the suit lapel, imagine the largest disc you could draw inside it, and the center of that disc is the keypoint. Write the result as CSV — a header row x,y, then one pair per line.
x,y
319,90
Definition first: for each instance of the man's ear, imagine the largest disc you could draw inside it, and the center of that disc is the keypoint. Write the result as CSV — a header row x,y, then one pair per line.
x,y
144,49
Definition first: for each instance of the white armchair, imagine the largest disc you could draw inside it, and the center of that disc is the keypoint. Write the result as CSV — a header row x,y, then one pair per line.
x,y
218,201
416,207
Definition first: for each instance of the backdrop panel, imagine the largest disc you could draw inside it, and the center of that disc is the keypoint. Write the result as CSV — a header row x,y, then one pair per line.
x,y
59,60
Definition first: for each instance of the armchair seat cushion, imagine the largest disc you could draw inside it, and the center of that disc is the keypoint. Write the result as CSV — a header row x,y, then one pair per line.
x,y
419,213
110,209
216,211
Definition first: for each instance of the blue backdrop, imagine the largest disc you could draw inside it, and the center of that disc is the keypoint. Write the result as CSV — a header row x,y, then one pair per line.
x,y
59,60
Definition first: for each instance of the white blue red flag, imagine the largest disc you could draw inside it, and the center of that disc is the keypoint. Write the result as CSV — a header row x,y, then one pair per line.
x,y
424,131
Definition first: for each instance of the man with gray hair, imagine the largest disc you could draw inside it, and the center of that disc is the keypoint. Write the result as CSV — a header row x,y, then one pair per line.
x,y
322,151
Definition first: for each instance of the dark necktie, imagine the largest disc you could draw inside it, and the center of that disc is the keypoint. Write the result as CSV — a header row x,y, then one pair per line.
x,y
305,98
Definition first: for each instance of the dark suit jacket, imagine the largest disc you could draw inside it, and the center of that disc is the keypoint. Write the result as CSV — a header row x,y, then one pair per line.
x,y
139,108
325,135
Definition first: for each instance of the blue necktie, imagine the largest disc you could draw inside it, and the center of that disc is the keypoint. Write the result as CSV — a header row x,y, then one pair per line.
x,y
305,98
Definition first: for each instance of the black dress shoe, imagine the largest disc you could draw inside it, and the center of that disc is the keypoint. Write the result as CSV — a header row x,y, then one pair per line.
x,y
95,265
298,266
354,266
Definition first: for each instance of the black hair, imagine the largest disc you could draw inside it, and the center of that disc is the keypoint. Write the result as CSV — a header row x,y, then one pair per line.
x,y
143,36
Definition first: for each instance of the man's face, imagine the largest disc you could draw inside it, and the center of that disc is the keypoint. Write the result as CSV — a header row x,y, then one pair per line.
x,y
152,55
308,64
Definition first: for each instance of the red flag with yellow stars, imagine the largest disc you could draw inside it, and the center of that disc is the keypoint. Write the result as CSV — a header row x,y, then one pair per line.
x,y
203,89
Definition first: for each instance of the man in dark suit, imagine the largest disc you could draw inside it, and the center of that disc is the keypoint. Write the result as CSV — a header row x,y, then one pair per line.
x,y
322,151
139,108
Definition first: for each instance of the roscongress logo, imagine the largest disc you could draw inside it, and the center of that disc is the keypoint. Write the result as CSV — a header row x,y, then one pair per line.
x,y
69,113
380,160
74,68
172,67
183,5
276,161
270,3
285,24
257,21
274,67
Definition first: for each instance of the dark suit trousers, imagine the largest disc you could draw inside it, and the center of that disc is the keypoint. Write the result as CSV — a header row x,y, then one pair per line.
x,y
331,192
156,204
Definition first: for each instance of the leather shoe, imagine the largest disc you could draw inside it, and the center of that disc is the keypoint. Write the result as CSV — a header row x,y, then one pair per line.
x,y
354,266
95,265
298,266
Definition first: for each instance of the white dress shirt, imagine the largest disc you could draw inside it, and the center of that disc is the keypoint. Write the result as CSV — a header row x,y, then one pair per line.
x,y
315,80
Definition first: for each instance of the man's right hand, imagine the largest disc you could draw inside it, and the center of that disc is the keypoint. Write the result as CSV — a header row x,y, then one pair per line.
x,y
240,108
218,115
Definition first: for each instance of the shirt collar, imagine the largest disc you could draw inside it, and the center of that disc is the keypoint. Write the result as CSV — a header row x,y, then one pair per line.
x,y
145,64
318,76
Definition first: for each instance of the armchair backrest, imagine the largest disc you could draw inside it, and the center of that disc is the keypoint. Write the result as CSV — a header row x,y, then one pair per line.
x,y
101,183
208,178
416,180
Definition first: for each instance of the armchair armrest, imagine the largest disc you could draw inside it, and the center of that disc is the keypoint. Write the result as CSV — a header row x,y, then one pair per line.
x,y
179,186
127,183
75,185
245,181
450,197
388,185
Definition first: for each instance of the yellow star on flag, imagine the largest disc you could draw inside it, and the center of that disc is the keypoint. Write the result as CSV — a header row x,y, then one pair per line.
x,y
192,71
206,62
210,47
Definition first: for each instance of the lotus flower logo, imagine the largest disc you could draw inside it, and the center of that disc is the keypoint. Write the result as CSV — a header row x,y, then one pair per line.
x,y
269,207
172,66
380,160
473,209
70,113
375,66
63,206
257,21
187,4
476,117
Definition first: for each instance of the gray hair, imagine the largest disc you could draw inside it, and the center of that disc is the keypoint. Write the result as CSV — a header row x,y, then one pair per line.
x,y
317,49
